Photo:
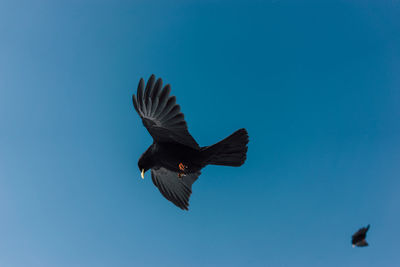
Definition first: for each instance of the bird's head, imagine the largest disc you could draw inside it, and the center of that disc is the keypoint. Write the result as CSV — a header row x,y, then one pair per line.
x,y
145,163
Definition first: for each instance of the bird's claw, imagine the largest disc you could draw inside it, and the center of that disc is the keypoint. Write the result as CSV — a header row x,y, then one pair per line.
x,y
182,167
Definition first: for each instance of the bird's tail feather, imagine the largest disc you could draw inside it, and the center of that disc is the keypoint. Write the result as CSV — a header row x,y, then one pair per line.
x,y
231,151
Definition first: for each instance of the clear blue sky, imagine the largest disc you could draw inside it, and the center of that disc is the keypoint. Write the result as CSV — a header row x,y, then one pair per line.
x,y
316,85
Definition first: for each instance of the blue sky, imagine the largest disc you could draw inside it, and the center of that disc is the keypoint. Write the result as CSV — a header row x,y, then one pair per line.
x,y
315,84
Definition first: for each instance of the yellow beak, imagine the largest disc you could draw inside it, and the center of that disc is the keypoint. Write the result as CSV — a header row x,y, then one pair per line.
x,y
142,174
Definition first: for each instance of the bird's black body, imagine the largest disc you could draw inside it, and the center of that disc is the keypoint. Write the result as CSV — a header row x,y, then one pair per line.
x,y
170,155
358,239
175,158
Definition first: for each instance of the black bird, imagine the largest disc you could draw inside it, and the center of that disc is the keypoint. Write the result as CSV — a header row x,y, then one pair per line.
x,y
358,239
175,158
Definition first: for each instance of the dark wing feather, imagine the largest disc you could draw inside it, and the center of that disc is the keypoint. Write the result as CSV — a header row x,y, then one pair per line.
x,y
362,231
160,113
177,190
362,243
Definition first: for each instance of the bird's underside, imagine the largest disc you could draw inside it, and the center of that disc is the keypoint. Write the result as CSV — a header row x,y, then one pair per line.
x,y
175,158
178,158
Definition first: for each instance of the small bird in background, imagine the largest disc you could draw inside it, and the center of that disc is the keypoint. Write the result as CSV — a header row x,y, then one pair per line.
x,y
175,158
358,239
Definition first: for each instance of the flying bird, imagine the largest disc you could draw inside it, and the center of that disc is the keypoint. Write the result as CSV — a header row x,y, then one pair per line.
x,y
175,158
358,239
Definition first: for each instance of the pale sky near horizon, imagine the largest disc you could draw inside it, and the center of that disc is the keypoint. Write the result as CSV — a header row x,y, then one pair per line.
x,y
315,84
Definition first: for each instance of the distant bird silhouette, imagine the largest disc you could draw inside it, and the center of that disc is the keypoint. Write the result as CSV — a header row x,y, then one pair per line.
x,y
175,159
358,239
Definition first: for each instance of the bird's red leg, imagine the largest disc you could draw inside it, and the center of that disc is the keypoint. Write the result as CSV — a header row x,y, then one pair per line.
x,y
182,167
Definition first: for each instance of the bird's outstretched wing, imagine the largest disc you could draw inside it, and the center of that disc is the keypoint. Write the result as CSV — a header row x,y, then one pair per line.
x,y
361,231
160,113
175,189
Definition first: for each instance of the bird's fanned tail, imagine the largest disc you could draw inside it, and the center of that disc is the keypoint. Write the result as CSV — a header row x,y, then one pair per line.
x,y
231,151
